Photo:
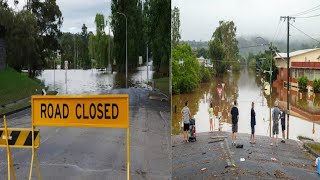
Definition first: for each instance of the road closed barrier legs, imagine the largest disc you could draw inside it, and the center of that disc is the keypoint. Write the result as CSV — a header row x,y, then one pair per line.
x,y
19,138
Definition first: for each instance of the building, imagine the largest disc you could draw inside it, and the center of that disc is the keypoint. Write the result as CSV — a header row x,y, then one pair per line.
x,y
2,48
302,63
201,60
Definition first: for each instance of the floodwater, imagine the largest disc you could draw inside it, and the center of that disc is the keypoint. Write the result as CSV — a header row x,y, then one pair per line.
x,y
246,87
91,81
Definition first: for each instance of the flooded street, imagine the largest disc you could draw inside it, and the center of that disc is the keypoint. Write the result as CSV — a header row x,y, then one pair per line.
x,y
246,87
91,81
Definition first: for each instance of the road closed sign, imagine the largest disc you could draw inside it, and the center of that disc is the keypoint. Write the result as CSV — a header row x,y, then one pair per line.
x,y
107,111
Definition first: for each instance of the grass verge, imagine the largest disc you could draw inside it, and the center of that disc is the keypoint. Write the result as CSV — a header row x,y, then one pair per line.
x,y
15,86
162,84
305,138
315,147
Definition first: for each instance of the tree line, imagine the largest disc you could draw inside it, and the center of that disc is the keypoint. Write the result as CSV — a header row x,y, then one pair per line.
x,y
33,36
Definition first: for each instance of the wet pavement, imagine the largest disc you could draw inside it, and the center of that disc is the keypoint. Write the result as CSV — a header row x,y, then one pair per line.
x,y
98,153
213,157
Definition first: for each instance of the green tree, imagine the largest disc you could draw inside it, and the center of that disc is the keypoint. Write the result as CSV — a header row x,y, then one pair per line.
x,y
186,76
316,85
84,51
49,20
175,26
118,24
67,47
22,39
159,35
202,52
302,83
223,47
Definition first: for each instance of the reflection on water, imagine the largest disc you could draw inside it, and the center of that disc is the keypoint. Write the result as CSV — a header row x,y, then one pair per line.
x,y
245,87
90,81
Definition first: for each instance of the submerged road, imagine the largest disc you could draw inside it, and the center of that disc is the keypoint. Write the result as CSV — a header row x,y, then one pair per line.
x,y
213,157
100,153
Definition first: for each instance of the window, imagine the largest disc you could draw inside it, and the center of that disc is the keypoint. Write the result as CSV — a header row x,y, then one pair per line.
x,y
317,73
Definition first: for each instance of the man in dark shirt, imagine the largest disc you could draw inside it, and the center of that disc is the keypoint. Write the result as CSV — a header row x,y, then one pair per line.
x,y
283,125
253,123
235,118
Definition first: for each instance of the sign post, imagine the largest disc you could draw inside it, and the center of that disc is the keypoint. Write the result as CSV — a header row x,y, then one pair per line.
x,y
96,111
66,68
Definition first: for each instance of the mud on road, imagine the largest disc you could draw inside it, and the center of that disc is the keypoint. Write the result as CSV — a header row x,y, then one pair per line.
x,y
209,159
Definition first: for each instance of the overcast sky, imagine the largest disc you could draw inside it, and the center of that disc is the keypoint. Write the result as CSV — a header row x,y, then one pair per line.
x,y
199,18
78,12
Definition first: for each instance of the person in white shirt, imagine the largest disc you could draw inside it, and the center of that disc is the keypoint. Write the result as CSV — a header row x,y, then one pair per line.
x,y
186,116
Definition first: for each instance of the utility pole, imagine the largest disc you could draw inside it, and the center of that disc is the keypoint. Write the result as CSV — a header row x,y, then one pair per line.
x,y
288,18
147,67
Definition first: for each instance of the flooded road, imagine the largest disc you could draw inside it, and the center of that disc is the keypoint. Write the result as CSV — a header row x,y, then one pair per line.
x,y
246,87
92,81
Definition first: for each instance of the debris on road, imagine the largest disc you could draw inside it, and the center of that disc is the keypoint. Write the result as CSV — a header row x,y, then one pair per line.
x,y
218,137
203,169
279,174
239,146
274,159
242,159
216,140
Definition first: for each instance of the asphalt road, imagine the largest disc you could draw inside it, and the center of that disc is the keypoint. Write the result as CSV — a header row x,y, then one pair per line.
x,y
206,159
97,153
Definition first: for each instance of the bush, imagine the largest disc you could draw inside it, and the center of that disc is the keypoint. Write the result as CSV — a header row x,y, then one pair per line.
x,y
302,83
316,86
205,74
186,76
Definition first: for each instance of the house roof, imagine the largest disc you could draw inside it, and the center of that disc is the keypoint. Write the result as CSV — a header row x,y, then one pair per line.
x,y
295,53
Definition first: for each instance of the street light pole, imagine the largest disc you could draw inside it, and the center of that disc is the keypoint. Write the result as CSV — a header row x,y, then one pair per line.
x,y
126,47
270,81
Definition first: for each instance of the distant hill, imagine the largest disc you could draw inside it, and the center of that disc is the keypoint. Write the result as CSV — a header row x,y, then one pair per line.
x,y
245,42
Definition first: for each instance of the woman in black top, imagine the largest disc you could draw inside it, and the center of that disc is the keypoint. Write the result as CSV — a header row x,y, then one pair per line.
x,y
253,123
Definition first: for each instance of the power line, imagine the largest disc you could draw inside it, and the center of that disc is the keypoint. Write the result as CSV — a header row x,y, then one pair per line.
x,y
276,31
260,45
307,11
279,31
304,33
309,16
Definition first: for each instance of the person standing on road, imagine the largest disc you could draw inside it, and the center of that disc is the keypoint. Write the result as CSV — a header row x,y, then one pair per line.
x,y
210,111
186,116
275,128
283,125
253,123
235,118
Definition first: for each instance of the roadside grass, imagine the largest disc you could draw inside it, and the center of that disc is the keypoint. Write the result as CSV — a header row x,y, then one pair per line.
x,y
305,138
315,147
163,85
19,105
15,86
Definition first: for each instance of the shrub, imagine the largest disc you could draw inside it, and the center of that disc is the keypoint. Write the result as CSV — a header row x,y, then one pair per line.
x,y
316,86
302,83
205,74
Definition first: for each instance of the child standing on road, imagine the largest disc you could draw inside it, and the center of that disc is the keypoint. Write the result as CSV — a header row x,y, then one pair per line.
x,y
210,111
253,123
